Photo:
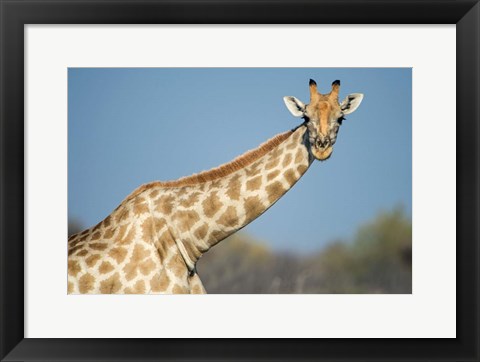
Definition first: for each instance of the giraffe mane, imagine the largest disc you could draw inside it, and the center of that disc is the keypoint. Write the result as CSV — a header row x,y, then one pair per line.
x,y
226,169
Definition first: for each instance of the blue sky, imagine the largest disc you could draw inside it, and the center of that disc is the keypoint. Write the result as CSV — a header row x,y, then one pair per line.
x,y
127,127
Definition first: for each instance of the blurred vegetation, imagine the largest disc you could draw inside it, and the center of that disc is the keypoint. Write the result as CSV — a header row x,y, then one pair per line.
x,y
377,260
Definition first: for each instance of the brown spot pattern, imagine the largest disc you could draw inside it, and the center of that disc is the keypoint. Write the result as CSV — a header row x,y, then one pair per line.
x,y
190,201
253,207
118,254
201,231
192,251
85,283
272,175
229,217
121,232
299,156
185,219
108,233
272,164
290,176
111,285
140,208
146,267
195,284
216,236
73,268
302,169
216,184
159,225
159,283
105,267
295,140
75,242
197,289
177,289
129,237
138,255
122,215
92,260
275,190
148,229
254,168
98,246
234,187
138,288
276,153
106,223
254,183
211,204
163,244
82,252
287,160
164,205
74,249
177,266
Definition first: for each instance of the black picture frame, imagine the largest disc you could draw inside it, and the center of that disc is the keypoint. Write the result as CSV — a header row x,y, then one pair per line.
x,y
15,14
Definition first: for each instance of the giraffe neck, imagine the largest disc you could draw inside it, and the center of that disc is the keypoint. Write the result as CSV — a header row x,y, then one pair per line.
x,y
203,214
151,242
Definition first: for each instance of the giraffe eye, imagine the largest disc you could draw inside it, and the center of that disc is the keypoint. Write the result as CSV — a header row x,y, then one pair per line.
x,y
340,120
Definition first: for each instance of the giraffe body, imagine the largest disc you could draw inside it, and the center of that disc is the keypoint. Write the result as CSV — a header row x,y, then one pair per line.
x,y
151,242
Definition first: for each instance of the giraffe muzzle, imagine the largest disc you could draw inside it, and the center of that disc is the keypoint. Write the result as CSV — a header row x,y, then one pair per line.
x,y
322,148
322,142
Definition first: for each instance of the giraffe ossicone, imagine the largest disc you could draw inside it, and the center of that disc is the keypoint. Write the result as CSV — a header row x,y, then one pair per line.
x,y
151,242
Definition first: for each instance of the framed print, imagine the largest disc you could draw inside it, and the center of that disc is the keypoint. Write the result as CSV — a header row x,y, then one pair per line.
x,y
112,95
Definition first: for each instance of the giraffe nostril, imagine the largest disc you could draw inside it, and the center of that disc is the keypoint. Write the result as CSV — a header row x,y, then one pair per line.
x,y
323,142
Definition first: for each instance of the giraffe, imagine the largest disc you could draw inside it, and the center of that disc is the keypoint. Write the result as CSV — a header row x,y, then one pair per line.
x,y
152,241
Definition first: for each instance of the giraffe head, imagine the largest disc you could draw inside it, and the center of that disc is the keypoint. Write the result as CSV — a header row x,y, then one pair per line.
x,y
323,116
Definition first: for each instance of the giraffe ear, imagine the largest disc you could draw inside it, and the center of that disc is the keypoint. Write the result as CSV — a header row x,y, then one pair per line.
x,y
296,107
351,103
